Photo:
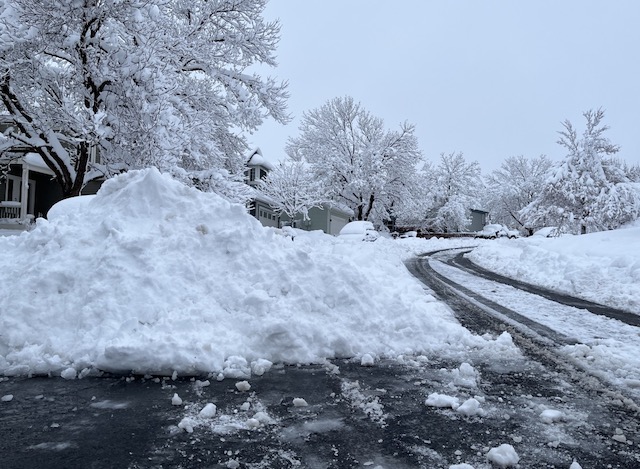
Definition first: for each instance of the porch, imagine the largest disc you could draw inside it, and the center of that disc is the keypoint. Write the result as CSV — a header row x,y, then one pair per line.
x,y
27,191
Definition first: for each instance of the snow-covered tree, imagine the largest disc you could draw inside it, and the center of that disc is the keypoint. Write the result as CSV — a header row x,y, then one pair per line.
x,y
512,187
589,190
457,188
632,172
293,189
419,202
367,168
157,82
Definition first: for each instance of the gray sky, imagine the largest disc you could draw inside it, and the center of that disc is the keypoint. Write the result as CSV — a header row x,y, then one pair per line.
x,y
491,79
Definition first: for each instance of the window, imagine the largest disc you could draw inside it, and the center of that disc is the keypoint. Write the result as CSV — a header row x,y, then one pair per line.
x,y
252,174
263,173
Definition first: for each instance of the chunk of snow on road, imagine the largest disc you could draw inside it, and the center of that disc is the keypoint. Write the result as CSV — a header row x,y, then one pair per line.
x,y
369,404
465,376
69,373
575,465
552,416
503,456
208,411
442,400
243,386
176,400
260,366
187,424
264,418
236,367
253,423
299,402
461,466
619,436
6,398
470,408
505,340
367,360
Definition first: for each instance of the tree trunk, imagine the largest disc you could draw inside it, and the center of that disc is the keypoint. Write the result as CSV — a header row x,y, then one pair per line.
x,y
369,207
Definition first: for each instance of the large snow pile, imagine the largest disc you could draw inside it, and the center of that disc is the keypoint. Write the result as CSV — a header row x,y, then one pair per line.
x,y
603,267
153,276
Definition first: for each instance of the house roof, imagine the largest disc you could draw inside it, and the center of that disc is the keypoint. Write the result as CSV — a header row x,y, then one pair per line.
x,y
36,162
260,196
33,160
339,208
256,159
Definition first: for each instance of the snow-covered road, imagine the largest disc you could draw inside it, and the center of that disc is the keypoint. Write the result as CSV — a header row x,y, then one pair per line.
x,y
602,346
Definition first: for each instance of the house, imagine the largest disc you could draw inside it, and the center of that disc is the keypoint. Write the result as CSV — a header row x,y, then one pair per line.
x,y
330,218
261,206
478,219
27,190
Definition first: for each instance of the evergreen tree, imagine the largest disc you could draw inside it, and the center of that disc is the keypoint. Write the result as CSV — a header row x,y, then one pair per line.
x,y
588,191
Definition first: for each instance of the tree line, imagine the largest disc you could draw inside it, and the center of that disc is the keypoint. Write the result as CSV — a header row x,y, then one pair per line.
x,y
99,87
349,158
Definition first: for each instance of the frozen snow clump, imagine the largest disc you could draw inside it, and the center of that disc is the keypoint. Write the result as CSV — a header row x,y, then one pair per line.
x,y
503,456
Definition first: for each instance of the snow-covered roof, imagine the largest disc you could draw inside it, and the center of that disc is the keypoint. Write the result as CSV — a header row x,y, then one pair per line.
x,y
256,159
33,160
36,162
338,207
260,196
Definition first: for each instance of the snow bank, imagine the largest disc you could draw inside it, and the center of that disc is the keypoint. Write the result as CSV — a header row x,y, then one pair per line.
x,y
603,267
152,276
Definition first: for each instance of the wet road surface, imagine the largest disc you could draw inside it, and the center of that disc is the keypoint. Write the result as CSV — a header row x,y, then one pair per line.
x,y
356,417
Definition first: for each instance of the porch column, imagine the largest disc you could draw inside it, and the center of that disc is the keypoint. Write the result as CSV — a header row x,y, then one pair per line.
x,y
24,191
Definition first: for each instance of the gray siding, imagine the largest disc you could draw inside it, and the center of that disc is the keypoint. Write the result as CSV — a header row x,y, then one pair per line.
x,y
478,220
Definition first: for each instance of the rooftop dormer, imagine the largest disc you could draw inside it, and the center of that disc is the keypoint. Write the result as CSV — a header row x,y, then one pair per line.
x,y
257,167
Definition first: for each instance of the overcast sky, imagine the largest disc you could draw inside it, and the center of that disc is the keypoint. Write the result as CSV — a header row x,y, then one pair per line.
x,y
491,79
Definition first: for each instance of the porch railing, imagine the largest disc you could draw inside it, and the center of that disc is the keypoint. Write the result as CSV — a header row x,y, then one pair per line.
x,y
9,209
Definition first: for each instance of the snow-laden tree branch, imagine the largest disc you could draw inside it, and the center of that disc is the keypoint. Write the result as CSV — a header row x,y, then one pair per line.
x,y
157,83
513,186
293,189
457,188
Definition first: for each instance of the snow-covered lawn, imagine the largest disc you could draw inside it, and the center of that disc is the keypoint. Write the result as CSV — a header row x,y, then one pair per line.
x,y
602,267
151,276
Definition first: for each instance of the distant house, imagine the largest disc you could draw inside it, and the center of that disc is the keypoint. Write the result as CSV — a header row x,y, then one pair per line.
x,y
261,206
478,219
329,218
